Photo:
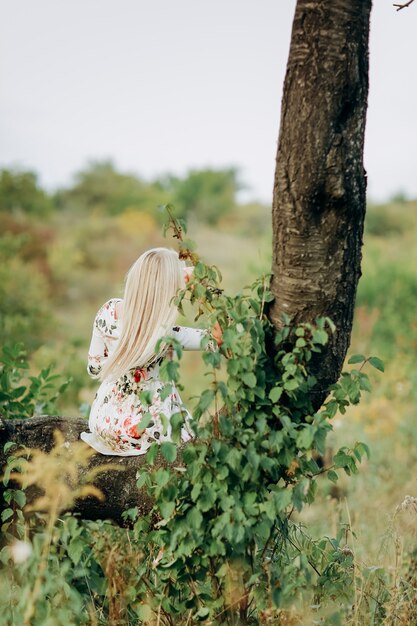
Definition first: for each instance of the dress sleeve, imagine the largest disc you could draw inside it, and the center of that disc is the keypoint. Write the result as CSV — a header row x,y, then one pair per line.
x,y
190,338
103,329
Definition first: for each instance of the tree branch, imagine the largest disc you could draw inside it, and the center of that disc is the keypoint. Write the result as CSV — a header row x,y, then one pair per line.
x,y
403,6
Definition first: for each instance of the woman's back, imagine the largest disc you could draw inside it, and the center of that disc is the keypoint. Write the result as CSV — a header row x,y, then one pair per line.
x,y
121,422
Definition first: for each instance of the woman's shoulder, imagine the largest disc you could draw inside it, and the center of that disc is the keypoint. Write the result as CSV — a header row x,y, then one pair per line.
x,y
106,320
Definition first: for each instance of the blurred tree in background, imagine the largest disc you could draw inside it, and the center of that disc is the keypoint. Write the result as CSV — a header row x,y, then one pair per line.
x,y
21,193
24,295
101,188
205,194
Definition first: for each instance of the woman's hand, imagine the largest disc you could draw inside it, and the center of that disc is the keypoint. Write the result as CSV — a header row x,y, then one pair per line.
x,y
217,333
188,272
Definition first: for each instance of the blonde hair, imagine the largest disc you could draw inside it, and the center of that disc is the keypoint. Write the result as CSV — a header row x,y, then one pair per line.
x,y
148,310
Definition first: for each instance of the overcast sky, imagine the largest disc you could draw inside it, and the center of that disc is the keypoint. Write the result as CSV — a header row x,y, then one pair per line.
x,y
164,86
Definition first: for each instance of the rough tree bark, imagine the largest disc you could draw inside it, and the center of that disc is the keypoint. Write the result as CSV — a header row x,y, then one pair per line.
x,y
320,182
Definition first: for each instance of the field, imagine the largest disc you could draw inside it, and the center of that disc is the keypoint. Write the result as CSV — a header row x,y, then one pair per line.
x,y
57,271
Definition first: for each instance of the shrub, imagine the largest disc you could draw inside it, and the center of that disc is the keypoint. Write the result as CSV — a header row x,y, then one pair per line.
x,y
22,396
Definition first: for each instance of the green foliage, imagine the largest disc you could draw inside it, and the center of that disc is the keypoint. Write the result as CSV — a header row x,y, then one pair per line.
x,y
24,313
392,219
47,558
22,396
226,513
21,193
102,188
206,194
392,294
12,517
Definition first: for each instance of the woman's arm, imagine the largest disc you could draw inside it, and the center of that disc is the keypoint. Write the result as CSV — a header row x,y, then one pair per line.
x,y
104,328
191,338
97,353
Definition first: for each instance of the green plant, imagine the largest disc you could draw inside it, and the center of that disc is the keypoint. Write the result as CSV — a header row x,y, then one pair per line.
x,y
44,549
391,292
20,398
227,544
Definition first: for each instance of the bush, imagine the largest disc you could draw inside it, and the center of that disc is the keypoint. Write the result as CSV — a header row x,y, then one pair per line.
x,y
24,396
20,193
392,291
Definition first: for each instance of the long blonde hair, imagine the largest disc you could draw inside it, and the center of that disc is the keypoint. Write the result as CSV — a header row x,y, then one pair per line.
x,y
148,310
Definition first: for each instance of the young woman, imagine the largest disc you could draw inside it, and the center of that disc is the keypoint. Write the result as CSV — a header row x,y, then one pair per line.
x,y
122,354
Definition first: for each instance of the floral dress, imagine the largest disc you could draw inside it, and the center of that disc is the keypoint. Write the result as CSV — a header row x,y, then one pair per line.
x,y
118,413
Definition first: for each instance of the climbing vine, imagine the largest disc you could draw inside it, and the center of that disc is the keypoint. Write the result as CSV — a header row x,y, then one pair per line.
x,y
228,548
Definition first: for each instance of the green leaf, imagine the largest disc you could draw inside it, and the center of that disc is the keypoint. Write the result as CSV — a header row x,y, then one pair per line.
x,y
282,499
364,383
360,449
167,509
165,391
20,498
341,459
333,476
207,499
212,358
291,385
200,270
275,394
233,366
145,421
233,458
305,437
75,549
189,454
152,453
195,492
6,514
249,379
377,363
206,399
142,480
356,358
169,451
194,518
162,477
145,397
202,613
320,337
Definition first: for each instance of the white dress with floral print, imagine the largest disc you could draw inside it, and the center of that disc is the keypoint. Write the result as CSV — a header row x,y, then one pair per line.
x,y
117,410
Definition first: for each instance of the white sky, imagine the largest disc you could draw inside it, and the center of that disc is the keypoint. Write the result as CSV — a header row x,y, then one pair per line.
x,y
162,86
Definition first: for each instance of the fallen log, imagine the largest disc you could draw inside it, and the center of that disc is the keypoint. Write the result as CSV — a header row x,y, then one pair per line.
x,y
117,484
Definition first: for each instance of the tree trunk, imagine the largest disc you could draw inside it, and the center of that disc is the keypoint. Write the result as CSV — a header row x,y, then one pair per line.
x,y
320,182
